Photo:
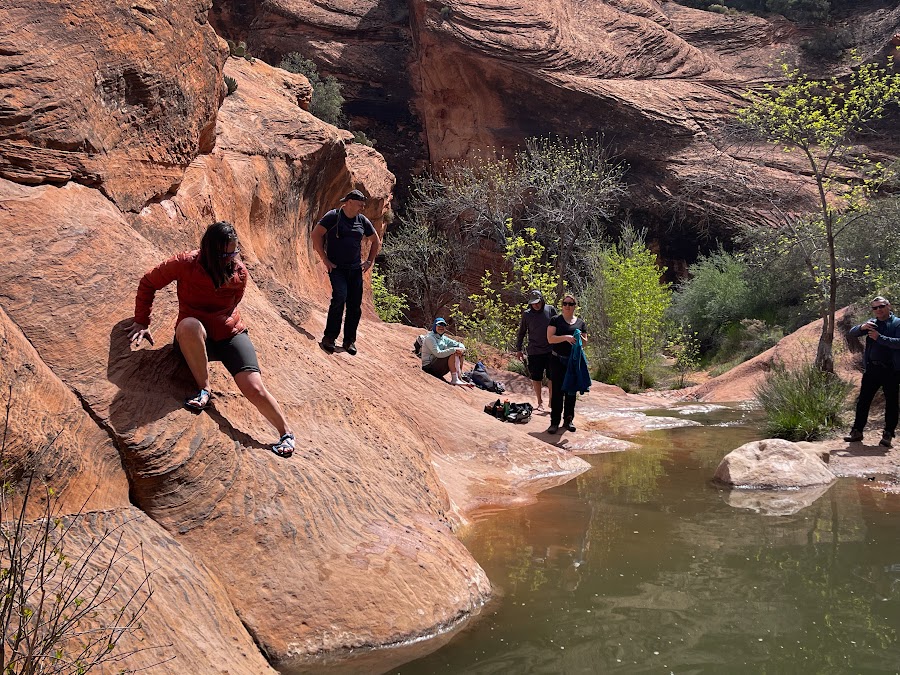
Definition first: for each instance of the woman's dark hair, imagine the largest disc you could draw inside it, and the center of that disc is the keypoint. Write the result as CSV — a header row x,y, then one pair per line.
x,y
212,246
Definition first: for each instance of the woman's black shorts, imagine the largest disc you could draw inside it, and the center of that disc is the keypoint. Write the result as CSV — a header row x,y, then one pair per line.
x,y
236,353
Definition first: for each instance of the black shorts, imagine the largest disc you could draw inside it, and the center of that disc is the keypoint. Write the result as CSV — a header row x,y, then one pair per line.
x,y
538,364
438,367
236,353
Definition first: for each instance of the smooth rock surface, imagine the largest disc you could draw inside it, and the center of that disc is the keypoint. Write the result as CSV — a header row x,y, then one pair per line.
x,y
773,463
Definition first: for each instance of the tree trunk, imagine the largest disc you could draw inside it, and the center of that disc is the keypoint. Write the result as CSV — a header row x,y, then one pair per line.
x,y
824,353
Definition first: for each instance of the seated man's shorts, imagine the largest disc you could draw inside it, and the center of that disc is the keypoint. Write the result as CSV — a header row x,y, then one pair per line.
x,y
438,367
538,365
236,353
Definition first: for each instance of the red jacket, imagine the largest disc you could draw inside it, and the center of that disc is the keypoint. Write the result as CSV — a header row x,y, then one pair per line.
x,y
215,308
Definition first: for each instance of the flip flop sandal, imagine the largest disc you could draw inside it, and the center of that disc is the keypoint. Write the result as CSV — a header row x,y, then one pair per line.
x,y
285,446
199,402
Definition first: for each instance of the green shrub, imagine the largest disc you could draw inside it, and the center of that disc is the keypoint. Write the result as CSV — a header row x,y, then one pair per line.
x,y
327,101
231,85
389,306
516,366
361,138
828,43
803,404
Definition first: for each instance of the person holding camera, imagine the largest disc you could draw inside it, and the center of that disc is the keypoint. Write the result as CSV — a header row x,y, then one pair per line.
x,y
882,371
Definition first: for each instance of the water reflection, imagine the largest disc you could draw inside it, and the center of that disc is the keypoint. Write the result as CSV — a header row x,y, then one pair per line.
x,y
643,565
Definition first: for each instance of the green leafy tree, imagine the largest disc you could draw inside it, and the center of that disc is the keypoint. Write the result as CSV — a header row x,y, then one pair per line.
x,y
636,303
819,118
327,100
684,347
389,306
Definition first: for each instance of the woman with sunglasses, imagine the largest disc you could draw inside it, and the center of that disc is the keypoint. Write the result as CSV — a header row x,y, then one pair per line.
x,y
561,336
210,284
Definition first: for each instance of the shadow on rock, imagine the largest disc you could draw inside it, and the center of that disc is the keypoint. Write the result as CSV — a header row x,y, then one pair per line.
x,y
775,502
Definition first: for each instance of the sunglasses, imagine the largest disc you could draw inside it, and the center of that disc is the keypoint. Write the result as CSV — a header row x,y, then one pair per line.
x,y
878,306
569,304
232,254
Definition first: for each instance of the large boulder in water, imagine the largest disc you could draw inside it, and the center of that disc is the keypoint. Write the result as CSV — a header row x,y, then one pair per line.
x,y
773,463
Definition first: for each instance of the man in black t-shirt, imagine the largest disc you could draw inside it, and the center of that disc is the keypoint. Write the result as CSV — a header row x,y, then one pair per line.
x,y
337,238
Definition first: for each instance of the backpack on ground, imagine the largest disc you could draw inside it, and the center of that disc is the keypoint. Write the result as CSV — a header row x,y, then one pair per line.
x,y
518,413
480,378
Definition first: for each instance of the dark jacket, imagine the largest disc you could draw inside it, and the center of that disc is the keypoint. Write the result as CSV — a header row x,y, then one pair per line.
x,y
885,350
535,325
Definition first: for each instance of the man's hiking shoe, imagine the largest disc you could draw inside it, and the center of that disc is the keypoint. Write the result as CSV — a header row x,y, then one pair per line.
x,y
567,423
327,344
350,348
198,402
855,436
553,428
285,445
887,440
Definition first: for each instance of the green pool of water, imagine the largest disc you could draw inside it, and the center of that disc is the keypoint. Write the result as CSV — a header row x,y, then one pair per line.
x,y
643,565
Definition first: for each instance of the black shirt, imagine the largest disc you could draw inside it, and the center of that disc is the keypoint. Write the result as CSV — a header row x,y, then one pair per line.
x,y
563,327
343,239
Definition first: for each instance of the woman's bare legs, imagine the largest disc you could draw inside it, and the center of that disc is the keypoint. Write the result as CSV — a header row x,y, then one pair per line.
x,y
191,336
251,385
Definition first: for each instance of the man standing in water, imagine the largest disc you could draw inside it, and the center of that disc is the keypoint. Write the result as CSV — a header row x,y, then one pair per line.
x,y
337,238
882,371
534,323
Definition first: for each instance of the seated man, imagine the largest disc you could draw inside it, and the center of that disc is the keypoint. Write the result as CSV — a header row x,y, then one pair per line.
x,y
442,354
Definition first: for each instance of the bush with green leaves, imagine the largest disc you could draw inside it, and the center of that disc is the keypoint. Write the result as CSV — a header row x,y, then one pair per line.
x,y
630,298
684,348
715,295
389,306
803,404
327,100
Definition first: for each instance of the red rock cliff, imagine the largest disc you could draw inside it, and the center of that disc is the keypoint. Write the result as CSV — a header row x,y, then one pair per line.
x,y
349,543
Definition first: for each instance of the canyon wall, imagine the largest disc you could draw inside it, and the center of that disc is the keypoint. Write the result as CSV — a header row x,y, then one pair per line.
x,y
118,147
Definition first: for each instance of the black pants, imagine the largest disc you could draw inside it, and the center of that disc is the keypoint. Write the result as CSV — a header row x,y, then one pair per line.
x,y
875,378
346,290
562,406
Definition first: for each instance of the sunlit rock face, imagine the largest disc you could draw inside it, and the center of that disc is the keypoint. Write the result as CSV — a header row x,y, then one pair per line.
x,y
433,81
349,543
773,463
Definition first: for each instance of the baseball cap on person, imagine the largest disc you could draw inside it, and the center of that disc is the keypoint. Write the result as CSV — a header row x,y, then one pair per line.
x,y
535,297
354,194
440,320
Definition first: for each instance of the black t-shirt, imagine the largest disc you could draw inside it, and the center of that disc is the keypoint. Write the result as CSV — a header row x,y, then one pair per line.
x,y
563,327
343,239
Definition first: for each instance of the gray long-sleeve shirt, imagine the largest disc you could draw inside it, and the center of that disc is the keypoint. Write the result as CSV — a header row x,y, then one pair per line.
x,y
534,324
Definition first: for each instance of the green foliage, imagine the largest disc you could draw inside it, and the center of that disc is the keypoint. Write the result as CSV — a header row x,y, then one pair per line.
x,y
327,100
516,366
635,304
231,85
494,313
361,138
423,265
684,347
715,295
828,43
803,404
819,118
389,306
796,10
491,320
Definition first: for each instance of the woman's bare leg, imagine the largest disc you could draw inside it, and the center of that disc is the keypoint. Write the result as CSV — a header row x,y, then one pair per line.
x,y
191,336
251,385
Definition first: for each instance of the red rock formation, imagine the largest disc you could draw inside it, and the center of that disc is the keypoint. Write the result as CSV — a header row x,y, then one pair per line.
x,y
350,542
116,95
658,79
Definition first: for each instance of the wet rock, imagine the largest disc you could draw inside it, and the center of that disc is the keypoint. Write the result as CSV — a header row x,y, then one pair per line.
x,y
773,463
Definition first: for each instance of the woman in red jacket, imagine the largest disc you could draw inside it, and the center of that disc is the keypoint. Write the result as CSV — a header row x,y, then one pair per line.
x,y
211,283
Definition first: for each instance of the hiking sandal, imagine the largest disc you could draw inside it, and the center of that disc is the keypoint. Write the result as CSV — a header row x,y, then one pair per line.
x,y
285,446
199,402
